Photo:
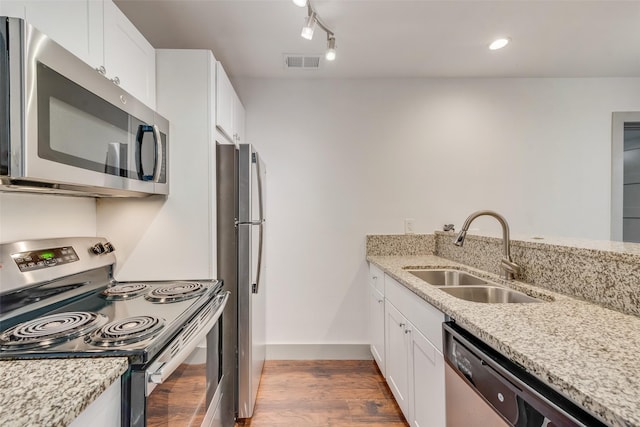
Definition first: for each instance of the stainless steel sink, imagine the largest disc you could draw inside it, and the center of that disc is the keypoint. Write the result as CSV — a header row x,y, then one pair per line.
x,y
447,277
488,294
469,287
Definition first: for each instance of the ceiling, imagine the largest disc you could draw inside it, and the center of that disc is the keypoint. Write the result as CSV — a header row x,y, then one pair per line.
x,y
402,38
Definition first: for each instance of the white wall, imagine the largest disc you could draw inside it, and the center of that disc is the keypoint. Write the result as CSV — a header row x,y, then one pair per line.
x,y
347,158
38,216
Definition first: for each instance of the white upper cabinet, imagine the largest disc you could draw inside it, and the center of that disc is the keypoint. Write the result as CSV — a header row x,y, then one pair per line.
x,y
129,59
75,24
238,120
230,114
98,33
225,97
186,220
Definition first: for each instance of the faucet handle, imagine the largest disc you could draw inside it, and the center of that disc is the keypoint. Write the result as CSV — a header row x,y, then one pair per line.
x,y
510,268
448,227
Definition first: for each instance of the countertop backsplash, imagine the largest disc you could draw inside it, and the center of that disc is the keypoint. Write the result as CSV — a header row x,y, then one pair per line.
x,y
401,244
605,273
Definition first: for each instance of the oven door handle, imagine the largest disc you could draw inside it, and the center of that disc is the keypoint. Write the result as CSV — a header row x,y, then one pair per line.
x,y
163,372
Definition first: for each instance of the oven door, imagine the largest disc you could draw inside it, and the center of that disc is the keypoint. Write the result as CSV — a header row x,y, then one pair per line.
x,y
183,383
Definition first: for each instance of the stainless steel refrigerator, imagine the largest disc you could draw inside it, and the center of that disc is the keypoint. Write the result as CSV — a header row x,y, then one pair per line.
x,y
241,228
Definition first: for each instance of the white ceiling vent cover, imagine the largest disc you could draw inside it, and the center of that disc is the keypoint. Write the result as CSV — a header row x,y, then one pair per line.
x,y
301,62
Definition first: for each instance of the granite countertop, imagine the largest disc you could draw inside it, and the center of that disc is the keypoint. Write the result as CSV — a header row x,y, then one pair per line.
x,y
589,353
53,392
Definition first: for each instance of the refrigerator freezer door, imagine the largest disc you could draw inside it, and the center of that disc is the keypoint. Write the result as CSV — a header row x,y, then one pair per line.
x,y
251,289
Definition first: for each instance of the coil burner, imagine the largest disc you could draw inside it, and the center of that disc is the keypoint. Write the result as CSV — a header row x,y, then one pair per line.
x,y
176,292
49,330
126,331
124,291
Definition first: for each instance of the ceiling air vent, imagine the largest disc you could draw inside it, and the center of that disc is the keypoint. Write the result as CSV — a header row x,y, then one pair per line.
x,y
301,62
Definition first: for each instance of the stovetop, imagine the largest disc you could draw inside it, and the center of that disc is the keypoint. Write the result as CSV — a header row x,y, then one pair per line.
x,y
88,313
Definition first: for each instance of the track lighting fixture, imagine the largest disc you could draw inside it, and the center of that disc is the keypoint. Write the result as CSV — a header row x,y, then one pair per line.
x,y
309,26
330,55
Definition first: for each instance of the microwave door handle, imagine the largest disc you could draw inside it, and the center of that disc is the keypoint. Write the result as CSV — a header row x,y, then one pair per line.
x,y
142,129
157,168
161,374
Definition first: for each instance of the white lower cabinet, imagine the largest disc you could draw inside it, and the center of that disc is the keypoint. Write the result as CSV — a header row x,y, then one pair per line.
x,y
376,316
397,341
102,412
413,356
426,385
376,327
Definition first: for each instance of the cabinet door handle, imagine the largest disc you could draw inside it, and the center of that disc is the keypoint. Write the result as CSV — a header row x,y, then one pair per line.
x,y
402,325
380,301
101,70
116,80
407,331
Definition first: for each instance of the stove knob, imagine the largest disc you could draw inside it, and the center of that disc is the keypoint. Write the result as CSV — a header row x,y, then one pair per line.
x,y
109,247
98,249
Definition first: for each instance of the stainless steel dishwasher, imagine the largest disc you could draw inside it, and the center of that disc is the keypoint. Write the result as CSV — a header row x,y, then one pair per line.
x,y
485,389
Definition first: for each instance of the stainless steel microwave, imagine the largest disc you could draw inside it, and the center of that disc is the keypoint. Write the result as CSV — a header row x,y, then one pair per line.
x,y
66,129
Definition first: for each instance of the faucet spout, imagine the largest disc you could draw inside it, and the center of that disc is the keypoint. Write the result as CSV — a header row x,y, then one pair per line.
x,y
510,269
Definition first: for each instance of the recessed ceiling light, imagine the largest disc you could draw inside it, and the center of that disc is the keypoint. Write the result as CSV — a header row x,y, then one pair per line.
x,y
499,43
300,3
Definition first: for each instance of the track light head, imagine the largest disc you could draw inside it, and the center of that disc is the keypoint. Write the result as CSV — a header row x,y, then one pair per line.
x,y
330,55
309,26
300,3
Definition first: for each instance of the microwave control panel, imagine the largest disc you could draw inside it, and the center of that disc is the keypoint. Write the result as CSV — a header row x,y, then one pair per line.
x,y
44,258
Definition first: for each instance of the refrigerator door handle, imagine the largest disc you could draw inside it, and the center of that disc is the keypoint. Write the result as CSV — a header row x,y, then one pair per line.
x,y
250,222
254,159
256,286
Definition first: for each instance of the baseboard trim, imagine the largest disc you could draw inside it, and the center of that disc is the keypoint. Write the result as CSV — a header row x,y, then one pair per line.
x,y
318,352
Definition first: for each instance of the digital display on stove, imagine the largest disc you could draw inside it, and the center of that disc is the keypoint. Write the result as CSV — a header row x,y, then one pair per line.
x,y
45,258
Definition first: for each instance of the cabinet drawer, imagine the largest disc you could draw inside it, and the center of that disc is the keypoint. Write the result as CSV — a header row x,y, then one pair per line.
x,y
376,278
425,317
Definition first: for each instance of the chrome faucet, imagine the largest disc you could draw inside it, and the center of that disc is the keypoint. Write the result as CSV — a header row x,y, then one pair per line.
x,y
509,268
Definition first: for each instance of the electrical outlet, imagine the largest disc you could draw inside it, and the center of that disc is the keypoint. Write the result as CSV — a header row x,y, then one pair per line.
x,y
409,226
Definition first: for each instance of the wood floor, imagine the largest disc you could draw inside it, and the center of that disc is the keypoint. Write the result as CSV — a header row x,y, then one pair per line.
x,y
325,393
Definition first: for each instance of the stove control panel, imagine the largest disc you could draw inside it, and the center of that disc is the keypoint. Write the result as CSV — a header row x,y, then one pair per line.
x,y
44,258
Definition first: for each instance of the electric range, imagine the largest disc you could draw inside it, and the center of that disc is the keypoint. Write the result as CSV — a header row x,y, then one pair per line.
x,y
58,299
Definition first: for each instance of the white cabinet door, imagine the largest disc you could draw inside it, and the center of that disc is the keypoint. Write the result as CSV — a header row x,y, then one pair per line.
x,y
415,327
376,327
238,119
397,338
427,392
74,24
129,59
225,102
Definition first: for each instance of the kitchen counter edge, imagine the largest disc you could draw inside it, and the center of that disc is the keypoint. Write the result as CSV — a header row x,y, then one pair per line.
x,y
53,392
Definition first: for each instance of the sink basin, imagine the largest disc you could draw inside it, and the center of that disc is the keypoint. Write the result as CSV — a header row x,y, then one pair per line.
x,y
488,294
447,277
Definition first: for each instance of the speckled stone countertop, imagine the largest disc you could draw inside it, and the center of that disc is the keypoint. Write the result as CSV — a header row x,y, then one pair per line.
x,y
589,353
53,392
